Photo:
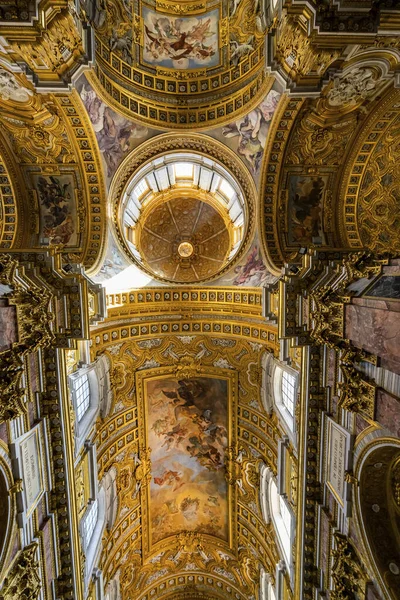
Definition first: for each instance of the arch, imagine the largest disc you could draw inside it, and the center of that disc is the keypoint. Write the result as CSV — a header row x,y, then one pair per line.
x,y
378,509
8,524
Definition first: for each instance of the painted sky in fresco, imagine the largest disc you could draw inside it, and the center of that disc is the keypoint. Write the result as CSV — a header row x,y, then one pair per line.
x,y
181,42
248,135
115,134
187,424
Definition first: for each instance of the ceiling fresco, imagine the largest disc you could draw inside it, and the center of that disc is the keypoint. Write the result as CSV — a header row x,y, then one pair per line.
x,y
306,128
186,466
200,51
118,136
187,431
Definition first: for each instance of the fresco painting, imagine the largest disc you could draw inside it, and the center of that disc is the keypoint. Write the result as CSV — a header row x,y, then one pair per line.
x,y
305,206
248,135
250,272
114,262
57,206
188,435
181,43
115,134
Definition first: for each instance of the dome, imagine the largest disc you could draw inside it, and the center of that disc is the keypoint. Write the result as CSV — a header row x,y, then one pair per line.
x,y
183,217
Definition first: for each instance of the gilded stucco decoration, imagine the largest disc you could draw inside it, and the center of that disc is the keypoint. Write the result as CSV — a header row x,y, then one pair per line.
x,y
10,202
301,60
310,142
60,174
206,561
370,196
181,65
50,45
199,145
23,580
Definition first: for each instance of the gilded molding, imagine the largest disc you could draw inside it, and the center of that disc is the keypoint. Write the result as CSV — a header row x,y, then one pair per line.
x,y
278,138
361,220
162,96
231,300
92,172
9,209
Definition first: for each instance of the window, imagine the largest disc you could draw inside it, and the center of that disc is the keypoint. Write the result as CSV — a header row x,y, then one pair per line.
x,y
288,391
282,520
286,516
90,521
183,170
285,396
226,189
85,398
82,396
141,188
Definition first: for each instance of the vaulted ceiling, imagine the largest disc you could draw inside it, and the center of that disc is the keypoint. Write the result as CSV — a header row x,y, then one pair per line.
x,y
99,101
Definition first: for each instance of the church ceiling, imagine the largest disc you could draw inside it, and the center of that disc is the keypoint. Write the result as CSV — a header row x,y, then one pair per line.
x,y
56,166
172,368
181,65
306,125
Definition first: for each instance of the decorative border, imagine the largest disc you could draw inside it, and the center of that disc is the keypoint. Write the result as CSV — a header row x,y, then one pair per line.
x,y
203,581
92,173
151,328
355,166
9,212
135,301
206,115
176,142
272,167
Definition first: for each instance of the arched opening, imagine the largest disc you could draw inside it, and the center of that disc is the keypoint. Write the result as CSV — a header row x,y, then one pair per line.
x,y
4,514
379,503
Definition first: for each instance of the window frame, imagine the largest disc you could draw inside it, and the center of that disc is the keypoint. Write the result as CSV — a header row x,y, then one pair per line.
x,y
85,423
267,589
284,537
287,419
91,546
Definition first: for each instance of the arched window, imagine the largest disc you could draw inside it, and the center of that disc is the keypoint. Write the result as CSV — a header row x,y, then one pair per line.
x,y
92,524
